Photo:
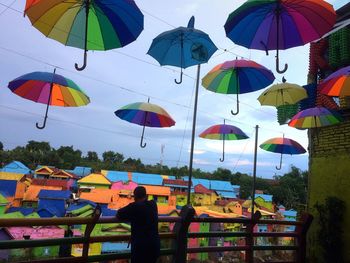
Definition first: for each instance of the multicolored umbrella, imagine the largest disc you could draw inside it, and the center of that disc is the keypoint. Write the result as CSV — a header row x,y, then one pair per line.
x,y
49,88
282,94
337,84
279,24
223,132
145,114
182,47
282,146
87,24
238,77
315,118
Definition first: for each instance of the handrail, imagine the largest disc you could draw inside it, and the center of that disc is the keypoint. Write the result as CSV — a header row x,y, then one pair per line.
x,y
180,234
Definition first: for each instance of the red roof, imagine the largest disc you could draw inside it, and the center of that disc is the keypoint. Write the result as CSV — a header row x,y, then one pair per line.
x,y
175,182
200,189
51,182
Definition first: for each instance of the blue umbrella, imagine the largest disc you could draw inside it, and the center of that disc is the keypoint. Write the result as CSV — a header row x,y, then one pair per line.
x,y
184,47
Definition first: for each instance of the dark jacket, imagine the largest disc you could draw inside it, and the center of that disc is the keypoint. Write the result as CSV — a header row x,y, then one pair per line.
x,y
145,243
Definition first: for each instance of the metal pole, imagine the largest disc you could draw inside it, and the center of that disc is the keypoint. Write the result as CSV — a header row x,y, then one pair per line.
x,y
254,167
193,134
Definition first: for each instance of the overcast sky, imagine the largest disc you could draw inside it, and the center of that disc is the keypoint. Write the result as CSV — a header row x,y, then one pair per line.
x,y
118,77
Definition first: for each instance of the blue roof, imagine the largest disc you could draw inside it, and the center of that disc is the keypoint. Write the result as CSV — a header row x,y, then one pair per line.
x,y
290,213
16,167
215,185
8,188
24,210
147,179
108,247
54,194
115,176
220,185
227,194
267,198
172,177
46,212
54,207
81,171
108,212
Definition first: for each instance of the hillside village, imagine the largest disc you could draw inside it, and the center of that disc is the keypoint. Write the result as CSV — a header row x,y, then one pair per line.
x,y
52,192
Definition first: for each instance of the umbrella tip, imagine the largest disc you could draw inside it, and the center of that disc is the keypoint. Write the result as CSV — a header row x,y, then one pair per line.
x,y
191,23
284,79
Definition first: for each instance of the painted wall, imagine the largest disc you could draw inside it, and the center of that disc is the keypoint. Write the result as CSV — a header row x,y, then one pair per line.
x,y
97,186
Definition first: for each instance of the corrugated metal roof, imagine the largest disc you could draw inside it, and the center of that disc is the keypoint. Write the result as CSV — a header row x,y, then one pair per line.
x,y
109,247
8,188
115,176
81,171
10,176
33,191
100,196
226,194
147,179
24,210
95,179
157,190
55,207
16,167
54,194
267,198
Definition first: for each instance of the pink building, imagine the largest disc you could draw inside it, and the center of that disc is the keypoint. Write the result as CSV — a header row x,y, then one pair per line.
x,y
36,233
120,185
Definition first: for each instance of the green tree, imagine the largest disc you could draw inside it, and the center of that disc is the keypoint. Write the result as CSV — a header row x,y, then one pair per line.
x,y
70,158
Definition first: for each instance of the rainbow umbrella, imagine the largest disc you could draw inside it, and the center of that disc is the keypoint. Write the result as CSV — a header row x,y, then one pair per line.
x,y
145,114
337,84
279,24
87,24
49,88
238,77
282,146
223,132
315,118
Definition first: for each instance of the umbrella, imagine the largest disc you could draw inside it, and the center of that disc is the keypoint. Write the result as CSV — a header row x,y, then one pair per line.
x,y
279,24
282,146
182,47
49,88
87,24
223,132
145,114
337,84
282,94
315,118
238,77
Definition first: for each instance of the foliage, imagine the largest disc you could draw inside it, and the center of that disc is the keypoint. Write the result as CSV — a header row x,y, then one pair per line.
x,y
289,189
330,234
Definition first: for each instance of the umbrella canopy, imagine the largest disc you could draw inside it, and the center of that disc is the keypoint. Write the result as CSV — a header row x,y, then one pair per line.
x,y
238,77
87,24
182,47
223,132
279,24
49,88
282,146
315,118
282,94
337,84
145,114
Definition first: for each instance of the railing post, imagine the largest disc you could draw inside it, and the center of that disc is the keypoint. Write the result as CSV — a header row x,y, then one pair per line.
x,y
181,231
301,239
249,254
88,230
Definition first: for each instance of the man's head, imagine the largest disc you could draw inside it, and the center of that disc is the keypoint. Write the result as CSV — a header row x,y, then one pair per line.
x,y
140,194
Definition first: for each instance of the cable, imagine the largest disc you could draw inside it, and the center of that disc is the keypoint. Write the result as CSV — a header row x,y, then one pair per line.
x,y
7,7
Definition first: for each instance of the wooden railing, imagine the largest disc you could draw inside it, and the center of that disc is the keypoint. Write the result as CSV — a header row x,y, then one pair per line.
x,y
179,248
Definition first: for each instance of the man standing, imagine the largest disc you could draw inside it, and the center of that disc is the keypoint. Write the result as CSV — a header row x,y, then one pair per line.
x,y
143,216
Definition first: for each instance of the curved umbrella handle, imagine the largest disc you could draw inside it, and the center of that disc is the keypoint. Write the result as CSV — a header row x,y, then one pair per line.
x,y
280,71
44,124
237,109
85,63
180,81
142,145
223,150
280,166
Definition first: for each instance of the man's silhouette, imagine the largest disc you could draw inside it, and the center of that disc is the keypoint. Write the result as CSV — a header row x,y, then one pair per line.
x,y
143,216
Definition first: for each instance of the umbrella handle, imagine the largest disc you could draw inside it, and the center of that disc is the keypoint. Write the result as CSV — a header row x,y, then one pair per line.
x,y
85,62
143,145
223,150
43,126
48,103
280,166
237,110
180,81
280,71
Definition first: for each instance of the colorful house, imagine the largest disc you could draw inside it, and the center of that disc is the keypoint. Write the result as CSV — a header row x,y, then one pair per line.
x,y
31,195
13,191
16,167
116,176
100,195
147,179
3,204
81,171
47,172
160,194
54,202
203,196
178,188
124,185
265,200
93,181
64,184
